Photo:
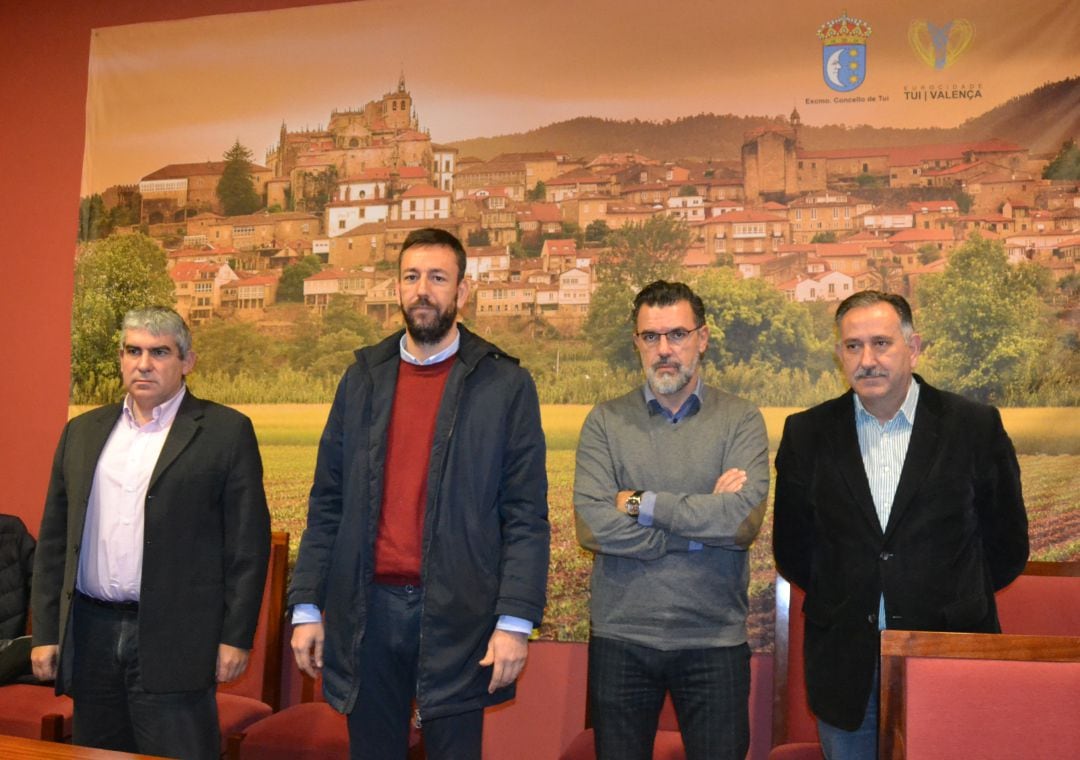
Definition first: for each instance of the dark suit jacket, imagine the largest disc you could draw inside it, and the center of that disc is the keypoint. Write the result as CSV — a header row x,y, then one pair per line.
x,y
957,532
206,534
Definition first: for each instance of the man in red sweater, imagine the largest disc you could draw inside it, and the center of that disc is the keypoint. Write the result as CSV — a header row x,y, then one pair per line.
x,y
423,567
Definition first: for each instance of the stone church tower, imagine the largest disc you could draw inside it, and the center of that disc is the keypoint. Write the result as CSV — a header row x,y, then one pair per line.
x,y
769,161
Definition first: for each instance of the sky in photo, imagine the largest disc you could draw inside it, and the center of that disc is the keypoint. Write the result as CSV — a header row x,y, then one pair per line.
x,y
183,91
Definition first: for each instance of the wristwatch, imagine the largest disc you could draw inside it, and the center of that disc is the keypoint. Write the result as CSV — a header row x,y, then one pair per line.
x,y
633,503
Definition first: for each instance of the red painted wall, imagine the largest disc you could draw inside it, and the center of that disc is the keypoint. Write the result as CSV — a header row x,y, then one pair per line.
x,y
45,50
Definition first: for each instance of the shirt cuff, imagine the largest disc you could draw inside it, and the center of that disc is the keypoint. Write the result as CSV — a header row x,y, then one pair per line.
x,y
514,624
647,508
305,613
695,546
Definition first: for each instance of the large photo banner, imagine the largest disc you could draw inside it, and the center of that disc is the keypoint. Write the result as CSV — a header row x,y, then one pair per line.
x,y
259,173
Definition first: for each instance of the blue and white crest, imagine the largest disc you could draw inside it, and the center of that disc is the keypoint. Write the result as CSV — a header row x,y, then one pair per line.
x,y
843,66
843,52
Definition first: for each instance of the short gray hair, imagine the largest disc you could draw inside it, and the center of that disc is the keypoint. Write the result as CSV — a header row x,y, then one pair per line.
x,y
865,298
159,320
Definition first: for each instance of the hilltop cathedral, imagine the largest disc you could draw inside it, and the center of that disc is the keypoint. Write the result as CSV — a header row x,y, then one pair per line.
x,y
385,134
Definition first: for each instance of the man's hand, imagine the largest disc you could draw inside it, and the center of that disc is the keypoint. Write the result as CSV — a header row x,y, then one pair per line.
x,y
731,481
506,651
620,500
44,659
231,662
307,647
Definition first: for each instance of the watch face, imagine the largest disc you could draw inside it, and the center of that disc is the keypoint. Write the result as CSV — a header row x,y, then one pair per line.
x,y
633,505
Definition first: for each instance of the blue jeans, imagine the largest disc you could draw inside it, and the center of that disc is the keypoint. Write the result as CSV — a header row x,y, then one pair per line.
x,y
710,689
379,721
860,744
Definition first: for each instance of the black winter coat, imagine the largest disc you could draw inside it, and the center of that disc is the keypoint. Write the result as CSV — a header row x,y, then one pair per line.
x,y
486,535
16,569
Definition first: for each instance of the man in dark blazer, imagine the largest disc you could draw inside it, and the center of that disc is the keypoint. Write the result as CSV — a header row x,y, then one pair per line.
x,y
897,506
152,554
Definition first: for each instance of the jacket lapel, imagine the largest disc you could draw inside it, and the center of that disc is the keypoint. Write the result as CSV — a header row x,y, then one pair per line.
x,y
921,453
849,462
184,427
91,446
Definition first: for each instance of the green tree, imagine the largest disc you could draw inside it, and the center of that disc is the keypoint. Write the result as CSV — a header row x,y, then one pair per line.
x,y
1066,164
928,253
291,284
687,190
646,251
608,327
538,193
112,276
982,322
1069,286
964,201
232,348
319,189
236,188
341,316
479,237
639,254
824,237
597,231
93,218
751,321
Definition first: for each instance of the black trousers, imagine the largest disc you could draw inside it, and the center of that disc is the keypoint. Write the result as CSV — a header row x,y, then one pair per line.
x,y
114,711
710,689
379,722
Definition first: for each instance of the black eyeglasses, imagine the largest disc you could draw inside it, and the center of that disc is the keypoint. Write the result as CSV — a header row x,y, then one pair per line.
x,y
675,336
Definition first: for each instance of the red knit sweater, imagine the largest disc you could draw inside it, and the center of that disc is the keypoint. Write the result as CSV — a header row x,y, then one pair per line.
x,y
408,453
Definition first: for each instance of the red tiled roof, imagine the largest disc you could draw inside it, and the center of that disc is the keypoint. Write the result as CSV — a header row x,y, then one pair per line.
x,y
424,191
181,171
833,250
328,274
746,216
917,235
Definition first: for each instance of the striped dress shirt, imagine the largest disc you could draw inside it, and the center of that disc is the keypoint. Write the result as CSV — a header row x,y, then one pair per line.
x,y
883,448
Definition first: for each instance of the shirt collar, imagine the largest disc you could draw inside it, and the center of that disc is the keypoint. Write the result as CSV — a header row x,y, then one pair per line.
x,y
161,415
443,355
906,411
690,407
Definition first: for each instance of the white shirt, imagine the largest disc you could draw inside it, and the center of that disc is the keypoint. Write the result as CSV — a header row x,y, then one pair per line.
x,y
111,554
884,448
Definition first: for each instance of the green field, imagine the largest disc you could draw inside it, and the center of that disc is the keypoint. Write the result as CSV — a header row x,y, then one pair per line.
x,y
1046,439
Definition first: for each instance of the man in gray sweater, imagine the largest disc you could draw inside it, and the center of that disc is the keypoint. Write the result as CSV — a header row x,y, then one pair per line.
x,y
669,492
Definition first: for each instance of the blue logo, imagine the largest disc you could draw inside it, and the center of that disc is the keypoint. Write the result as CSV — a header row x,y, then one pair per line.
x,y
843,53
844,66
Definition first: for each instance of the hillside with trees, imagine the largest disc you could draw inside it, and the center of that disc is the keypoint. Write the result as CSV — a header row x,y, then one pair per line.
x,y
1040,120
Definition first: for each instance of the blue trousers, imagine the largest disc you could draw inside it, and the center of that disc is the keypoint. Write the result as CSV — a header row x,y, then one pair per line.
x,y
710,689
860,744
379,722
114,711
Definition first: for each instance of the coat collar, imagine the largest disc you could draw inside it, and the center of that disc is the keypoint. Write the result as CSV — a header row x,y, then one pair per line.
x,y
473,348
921,454
185,426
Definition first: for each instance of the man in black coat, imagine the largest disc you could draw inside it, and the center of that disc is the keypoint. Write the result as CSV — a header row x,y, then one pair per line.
x,y
424,563
152,554
897,506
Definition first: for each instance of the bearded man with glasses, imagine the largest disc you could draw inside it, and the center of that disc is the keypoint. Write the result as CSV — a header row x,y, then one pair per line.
x,y
669,492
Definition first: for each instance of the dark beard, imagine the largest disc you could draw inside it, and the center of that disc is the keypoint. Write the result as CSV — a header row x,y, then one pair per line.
x,y
431,331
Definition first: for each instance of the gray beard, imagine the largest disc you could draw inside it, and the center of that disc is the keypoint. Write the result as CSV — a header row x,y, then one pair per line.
x,y
666,385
